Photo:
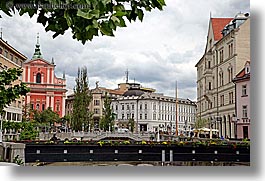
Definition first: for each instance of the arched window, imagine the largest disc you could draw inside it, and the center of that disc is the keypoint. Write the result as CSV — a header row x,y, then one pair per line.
x,y
38,78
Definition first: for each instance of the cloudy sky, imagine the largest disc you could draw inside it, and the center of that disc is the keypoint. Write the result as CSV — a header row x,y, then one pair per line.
x,y
159,51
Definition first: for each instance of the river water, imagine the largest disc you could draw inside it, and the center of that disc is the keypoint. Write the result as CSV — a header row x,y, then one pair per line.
x,y
120,163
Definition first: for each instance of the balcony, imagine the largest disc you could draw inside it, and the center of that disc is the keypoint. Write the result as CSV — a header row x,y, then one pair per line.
x,y
207,71
245,120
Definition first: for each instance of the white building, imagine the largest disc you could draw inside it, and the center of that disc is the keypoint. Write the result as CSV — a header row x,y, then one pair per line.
x,y
151,110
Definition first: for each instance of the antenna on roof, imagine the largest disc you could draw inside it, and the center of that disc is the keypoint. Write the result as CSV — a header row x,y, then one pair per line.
x,y
127,75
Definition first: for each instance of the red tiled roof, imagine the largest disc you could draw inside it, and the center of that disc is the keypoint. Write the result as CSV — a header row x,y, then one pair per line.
x,y
241,74
120,92
218,25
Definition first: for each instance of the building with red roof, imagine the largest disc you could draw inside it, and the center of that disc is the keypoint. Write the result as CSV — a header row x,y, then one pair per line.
x,y
226,51
242,82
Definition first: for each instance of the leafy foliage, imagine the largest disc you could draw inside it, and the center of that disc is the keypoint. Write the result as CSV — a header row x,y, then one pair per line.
x,y
81,115
27,129
107,120
131,124
201,123
18,160
8,90
86,19
49,116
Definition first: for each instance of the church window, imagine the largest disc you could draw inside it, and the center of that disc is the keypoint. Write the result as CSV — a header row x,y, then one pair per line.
x,y
38,78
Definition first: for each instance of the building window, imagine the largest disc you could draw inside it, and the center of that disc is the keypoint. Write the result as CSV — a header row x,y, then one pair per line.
x,y
43,106
231,98
122,107
244,90
210,86
145,116
245,111
221,56
6,54
132,106
221,76
128,107
154,116
37,106
11,57
96,102
14,116
230,50
128,116
209,64
122,116
141,116
222,100
8,116
96,111
1,50
140,106
230,74
38,78
57,107
116,106
132,116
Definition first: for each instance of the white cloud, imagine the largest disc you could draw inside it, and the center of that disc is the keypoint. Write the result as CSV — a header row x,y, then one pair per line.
x,y
158,51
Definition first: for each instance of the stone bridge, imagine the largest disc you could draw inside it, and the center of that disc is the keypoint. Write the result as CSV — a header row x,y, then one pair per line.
x,y
96,136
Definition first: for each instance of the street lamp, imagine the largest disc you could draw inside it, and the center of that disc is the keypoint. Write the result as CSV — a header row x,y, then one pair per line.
x,y
235,120
211,127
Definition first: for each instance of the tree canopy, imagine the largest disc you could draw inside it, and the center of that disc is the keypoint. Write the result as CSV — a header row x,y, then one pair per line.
x,y
9,91
107,120
81,115
85,18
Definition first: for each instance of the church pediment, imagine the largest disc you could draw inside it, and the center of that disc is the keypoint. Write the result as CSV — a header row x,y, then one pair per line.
x,y
39,61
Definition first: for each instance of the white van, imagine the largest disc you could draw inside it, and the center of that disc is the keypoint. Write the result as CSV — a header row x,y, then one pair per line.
x,y
123,130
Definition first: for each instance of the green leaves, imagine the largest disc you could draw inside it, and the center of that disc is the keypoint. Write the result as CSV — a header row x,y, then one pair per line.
x,y
9,91
106,29
92,19
82,98
89,14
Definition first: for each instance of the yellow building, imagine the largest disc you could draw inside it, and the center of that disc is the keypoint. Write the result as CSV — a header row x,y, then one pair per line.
x,y
11,58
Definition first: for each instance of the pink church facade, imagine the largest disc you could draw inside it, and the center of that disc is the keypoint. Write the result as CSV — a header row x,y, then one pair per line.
x,y
46,90
242,81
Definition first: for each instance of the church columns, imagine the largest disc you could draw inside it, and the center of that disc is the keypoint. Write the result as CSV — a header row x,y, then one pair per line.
x,y
63,105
